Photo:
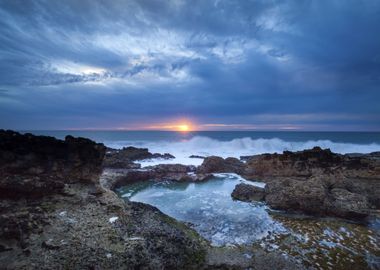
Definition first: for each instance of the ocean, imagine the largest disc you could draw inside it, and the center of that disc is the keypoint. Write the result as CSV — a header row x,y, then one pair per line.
x,y
226,143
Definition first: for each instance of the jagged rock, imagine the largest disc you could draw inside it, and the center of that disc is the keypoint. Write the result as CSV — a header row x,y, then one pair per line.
x,y
297,195
315,196
125,157
161,172
319,182
61,216
39,165
343,203
310,162
248,193
216,164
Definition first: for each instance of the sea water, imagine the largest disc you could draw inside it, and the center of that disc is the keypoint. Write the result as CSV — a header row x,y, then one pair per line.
x,y
207,207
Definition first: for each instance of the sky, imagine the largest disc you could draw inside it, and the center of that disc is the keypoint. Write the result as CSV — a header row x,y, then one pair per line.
x,y
199,64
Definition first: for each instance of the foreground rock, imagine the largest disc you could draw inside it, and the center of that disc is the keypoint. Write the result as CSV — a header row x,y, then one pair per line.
x,y
314,196
36,166
54,214
125,157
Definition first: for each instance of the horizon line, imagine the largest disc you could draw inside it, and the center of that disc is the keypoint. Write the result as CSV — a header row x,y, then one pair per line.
x,y
184,132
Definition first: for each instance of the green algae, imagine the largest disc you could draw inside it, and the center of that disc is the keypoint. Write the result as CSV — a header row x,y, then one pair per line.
x,y
327,243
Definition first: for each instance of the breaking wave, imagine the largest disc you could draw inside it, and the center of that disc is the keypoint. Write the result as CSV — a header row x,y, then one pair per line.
x,y
205,146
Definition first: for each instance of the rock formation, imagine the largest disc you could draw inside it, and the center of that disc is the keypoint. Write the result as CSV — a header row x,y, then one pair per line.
x,y
55,215
125,157
317,181
214,164
310,162
248,193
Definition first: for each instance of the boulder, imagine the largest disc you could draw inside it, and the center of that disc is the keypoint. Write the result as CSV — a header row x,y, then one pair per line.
x,y
248,193
343,203
316,196
214,164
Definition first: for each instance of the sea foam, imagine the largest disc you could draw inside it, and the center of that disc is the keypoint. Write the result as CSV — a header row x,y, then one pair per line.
x,y
205,146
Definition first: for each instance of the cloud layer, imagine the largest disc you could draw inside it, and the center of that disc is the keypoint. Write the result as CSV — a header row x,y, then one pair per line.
x,y
224,64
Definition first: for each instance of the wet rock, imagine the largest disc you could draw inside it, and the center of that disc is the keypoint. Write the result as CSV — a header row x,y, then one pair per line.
x,y
125,157
248,193
315,196
307,196
216,164
310,162
161,172
196,156
317,181
343,203
50,244
43,227
40,165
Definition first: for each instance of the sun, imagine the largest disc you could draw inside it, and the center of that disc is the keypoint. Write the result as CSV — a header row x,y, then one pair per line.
x,y
183,127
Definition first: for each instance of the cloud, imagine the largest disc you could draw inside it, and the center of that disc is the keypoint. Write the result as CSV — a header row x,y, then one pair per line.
x,y
96,63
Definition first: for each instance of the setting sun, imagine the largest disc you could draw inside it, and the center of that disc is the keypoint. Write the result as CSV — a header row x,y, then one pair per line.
x,y
183,128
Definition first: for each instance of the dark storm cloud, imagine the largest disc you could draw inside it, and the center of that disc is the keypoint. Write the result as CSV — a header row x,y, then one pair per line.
x,y
113,63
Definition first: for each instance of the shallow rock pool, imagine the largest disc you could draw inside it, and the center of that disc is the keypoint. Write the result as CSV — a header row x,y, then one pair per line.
x,y
208,206
210,210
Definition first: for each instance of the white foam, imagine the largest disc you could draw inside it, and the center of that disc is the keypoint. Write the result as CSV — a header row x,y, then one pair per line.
x,y
113,219
205,146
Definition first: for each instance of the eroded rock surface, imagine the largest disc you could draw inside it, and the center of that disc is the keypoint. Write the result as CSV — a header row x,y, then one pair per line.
x,y
161,172
310,162
40,165
214,164
318,182
248,193
54,214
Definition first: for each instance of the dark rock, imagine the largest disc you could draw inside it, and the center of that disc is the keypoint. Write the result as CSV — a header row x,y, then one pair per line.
x,y
161,172
248,193
343,203
307,196
310,162
50,244
39,165
315,196
45,228
216,164
125,157
247,158
319,182
162,156
196,156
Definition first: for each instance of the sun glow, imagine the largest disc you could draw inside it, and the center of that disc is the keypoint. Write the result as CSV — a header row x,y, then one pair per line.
x,y
176,126
183,127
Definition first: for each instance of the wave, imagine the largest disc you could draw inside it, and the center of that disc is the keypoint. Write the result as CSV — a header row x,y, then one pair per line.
x,y
205,146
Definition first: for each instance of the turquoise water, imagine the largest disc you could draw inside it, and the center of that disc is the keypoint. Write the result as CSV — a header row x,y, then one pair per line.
x,y
323,243
208,206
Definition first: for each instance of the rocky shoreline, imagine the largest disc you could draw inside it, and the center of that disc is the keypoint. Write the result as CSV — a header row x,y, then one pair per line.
x,y
58,209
